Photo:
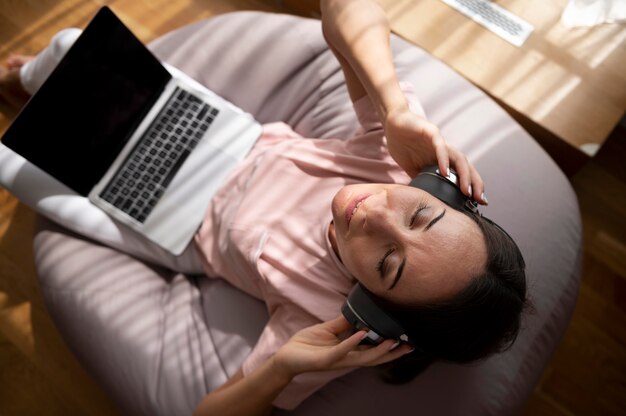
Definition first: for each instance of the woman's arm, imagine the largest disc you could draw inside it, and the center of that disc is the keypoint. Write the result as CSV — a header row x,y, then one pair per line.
x,y
251,395
358,33
316,348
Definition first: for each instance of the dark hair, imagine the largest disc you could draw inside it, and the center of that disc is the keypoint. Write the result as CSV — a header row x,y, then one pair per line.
x,y
482,319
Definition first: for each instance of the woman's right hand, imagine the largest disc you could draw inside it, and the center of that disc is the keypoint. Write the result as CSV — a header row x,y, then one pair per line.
x,y
319,348
415,142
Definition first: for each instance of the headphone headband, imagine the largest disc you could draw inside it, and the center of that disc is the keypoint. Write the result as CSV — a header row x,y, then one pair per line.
x,y
361,309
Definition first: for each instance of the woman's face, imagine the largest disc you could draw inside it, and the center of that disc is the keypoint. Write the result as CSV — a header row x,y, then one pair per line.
x,y
403,244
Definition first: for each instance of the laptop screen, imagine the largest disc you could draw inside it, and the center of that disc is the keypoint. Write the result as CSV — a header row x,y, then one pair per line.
x,y
77,123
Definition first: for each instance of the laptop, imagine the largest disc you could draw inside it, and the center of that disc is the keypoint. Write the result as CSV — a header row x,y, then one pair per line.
x,y
143,141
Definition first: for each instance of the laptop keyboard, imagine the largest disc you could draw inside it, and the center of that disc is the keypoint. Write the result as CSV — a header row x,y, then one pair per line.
x,y
145,174
495,18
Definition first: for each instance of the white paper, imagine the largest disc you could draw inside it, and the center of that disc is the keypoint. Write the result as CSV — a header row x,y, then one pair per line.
x,y
587,13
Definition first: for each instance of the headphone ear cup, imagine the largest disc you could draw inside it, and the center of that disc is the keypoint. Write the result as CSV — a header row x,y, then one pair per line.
x,y
362,312
430,180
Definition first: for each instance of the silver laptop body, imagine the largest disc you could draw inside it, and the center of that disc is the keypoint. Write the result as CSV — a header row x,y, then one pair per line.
x,y
181,207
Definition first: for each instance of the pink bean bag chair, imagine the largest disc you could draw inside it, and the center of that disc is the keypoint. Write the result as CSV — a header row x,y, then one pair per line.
x,y
159,340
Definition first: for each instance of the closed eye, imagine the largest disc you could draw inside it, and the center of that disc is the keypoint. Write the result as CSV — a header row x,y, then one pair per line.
x,y
422,206
381,266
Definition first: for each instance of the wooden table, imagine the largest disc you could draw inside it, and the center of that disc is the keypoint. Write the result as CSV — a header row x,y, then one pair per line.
x,y
567,87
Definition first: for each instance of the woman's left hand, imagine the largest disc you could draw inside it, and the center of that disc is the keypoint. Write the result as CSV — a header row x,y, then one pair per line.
x,y
414,143
318,348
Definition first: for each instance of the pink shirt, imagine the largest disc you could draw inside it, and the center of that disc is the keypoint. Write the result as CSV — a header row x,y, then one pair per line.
x,y
266,230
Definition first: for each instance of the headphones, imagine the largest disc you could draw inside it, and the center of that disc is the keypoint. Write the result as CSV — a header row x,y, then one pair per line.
x,y
361,309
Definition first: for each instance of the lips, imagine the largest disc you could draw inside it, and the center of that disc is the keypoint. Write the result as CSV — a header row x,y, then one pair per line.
x,y
353,206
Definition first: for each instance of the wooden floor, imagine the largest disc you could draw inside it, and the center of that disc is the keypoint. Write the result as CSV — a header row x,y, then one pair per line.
x,y
587,375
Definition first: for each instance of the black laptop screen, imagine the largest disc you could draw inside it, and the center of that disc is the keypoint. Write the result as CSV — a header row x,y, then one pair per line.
x,y
79,120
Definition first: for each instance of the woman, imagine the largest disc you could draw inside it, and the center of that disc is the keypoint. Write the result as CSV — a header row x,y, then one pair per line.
x,y
339,215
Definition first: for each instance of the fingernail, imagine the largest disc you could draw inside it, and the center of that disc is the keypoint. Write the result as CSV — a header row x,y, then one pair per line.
x,y
394,346
484,198
469,190
363,336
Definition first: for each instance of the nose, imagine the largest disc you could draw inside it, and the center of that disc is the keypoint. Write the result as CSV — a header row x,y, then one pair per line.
x,y
380,219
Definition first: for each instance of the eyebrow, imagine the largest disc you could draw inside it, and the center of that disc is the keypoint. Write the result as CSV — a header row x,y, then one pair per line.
x,y
434,220
398,274
401,267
